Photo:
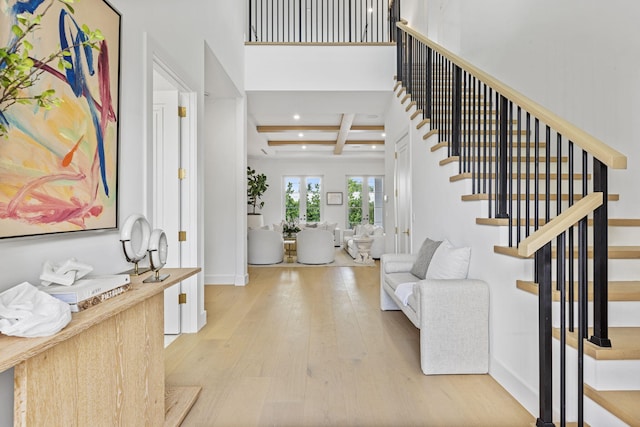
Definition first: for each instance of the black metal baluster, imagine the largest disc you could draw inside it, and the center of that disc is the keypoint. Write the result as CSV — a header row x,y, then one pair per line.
x,y
571,263
560,284
487,157
518,176
527,183
509,172
456,115
547,177
545,357
501,161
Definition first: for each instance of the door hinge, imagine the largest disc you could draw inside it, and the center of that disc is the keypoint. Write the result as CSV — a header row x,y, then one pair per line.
x,y
396,192
396,230
182,173
395,155
182,236
182,298
182,112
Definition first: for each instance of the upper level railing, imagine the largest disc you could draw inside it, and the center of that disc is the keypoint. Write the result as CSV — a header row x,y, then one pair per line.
x,y
513,149
319,21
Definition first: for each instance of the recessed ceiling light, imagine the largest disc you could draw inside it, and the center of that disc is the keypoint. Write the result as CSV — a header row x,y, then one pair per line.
x,y
383,134
370,10
373,147
301,134
304,147
296,117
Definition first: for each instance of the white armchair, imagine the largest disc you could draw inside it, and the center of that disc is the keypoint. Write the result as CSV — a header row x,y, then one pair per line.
x,y
264,247
314,246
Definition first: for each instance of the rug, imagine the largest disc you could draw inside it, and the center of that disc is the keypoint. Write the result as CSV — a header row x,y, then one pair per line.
x,y
342,259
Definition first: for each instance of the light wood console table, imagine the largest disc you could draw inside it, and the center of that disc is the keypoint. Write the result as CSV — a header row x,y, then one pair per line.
x,y
106,367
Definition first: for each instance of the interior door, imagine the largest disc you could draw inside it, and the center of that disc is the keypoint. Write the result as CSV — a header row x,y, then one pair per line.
x,y
403,195
166,191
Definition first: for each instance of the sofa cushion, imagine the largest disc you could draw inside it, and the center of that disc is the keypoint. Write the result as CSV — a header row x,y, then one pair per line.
x,y
425,255
449,262
394,279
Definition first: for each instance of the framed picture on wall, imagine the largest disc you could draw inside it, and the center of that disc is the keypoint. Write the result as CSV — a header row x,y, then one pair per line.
x,y
334,198
59,140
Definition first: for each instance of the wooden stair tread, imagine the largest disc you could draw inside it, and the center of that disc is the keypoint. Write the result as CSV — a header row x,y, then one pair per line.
x,y
619,290
615,252
541,176
485,196
613,222
541,159
444,144
625,344
622,404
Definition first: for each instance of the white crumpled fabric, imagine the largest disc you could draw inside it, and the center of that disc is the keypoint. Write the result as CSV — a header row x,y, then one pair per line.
x,y
26,311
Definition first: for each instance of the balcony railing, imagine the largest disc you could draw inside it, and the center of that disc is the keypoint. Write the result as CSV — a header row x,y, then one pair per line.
x,y
319,21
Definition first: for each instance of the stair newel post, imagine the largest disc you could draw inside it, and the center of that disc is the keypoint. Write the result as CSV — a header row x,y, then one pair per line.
x,y
600,259
501,196
545,355
457,112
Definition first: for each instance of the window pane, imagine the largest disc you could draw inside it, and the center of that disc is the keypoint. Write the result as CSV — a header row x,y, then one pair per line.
x,y
292,198
376,195
313,199
354,192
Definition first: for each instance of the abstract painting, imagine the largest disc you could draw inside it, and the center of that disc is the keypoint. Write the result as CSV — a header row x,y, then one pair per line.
x,y
59,166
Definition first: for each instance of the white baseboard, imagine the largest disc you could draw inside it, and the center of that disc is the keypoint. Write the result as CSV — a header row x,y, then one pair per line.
x,y
520,391
219,279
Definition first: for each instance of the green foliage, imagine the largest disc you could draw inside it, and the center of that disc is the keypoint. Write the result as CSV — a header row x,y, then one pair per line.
x,y
19,71
354,206
256,187
292,207
313,203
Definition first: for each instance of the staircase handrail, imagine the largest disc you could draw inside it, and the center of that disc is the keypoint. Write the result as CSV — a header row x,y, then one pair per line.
x,y
598,149
560,224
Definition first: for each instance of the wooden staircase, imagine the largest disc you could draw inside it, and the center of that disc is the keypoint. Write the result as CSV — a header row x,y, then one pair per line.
x,y
623,404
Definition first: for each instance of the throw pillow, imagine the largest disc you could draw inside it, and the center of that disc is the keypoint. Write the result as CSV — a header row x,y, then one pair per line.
x,y
425,254
313,225
449,262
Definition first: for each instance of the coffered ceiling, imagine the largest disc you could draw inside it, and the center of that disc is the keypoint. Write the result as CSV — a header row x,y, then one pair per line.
x,y
316,124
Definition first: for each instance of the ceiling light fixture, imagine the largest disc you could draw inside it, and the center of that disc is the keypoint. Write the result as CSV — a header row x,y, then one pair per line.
x,y
296,117
383,134
373,147
301,134
304,147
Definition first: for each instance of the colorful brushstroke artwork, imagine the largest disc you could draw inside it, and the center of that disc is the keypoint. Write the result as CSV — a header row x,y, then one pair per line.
x,y
59,166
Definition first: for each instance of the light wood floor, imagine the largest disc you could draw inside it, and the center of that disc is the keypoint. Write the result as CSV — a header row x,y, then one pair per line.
x,y
310,347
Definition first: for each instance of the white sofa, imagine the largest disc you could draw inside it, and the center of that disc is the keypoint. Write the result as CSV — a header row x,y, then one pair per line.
x,y
314,246
452,315
264,246
366,230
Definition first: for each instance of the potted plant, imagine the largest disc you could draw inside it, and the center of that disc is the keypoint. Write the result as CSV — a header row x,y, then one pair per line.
x,y
256,187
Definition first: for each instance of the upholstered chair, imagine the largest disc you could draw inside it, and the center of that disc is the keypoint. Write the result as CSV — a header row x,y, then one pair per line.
x,y
265,247
315,246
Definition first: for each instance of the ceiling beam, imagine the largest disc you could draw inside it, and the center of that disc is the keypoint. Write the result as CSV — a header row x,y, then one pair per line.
x,y
301,142
345,127
327,142
317,128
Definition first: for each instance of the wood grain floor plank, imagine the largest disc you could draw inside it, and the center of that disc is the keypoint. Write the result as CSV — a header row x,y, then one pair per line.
x,y
310,347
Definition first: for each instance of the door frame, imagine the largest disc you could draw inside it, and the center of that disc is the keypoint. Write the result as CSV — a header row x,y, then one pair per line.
x,y
193,315
402,145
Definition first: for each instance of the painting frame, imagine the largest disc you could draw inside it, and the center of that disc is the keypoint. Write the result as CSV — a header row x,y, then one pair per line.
x,y
59,167
334,198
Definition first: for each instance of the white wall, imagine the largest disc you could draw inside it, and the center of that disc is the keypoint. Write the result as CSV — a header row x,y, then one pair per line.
x,y
333,170
577,58
334,68
178,39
